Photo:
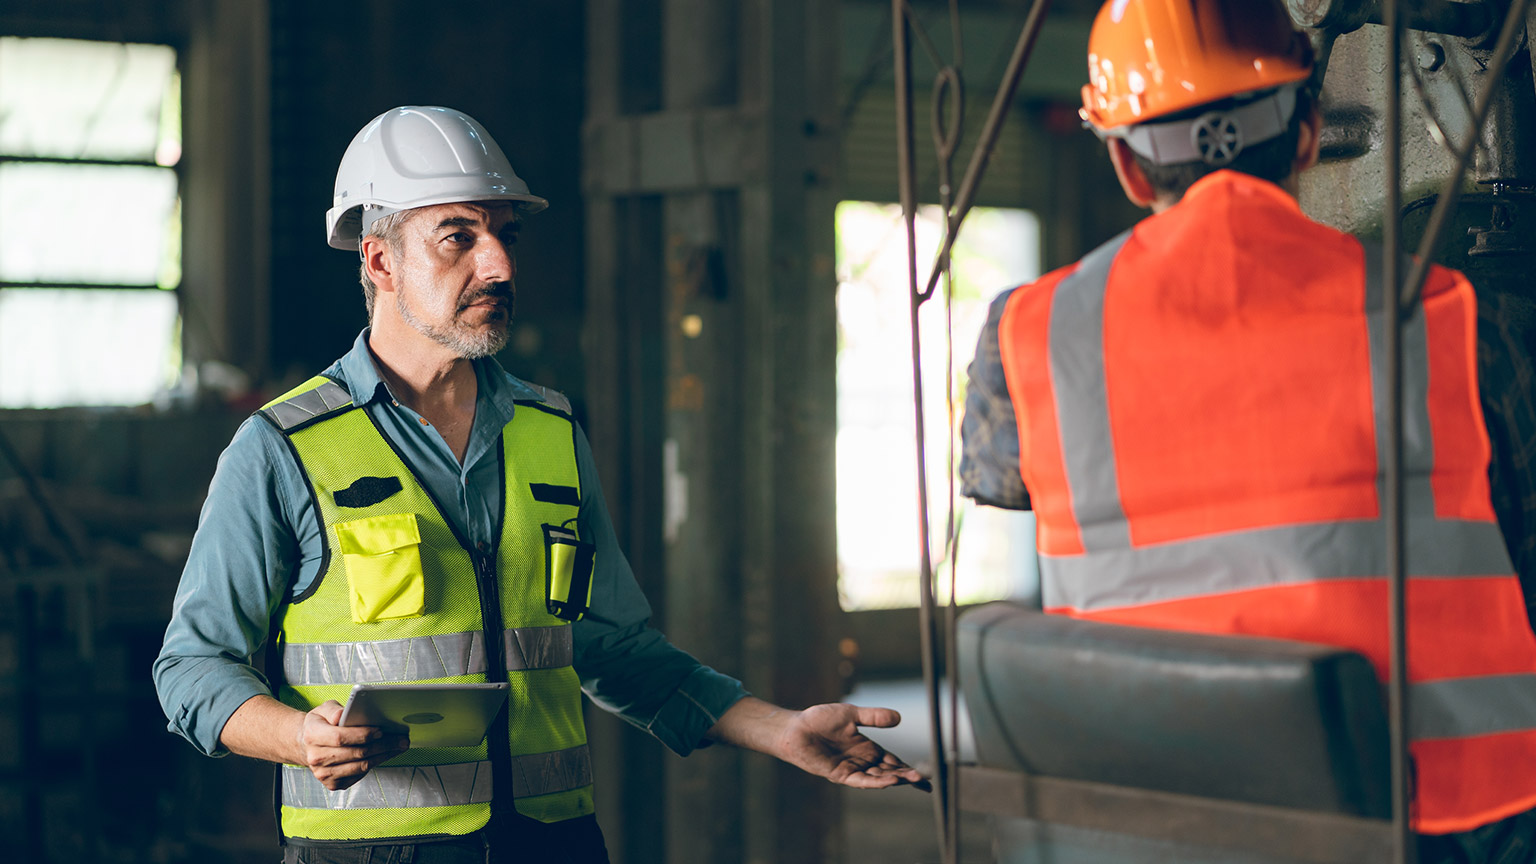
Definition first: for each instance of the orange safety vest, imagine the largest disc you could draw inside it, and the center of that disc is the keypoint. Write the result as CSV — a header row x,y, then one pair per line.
x,y
1201,412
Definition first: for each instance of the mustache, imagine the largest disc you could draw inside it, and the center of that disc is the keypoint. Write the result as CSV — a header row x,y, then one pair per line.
x,y
501,292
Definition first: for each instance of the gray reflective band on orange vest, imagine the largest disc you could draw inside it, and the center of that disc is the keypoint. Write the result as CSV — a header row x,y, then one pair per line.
x,y
424,657
1465,707
1076,353
441,785
308,405
1262,558
1418,442
1111,573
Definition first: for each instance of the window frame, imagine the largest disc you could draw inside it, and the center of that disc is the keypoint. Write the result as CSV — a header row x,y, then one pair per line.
x,y
178,169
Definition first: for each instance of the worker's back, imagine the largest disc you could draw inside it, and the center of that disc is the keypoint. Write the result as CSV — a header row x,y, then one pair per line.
x,y
1201,406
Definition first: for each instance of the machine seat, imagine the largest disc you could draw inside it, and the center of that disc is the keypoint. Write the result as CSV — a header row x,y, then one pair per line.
x,y
1258,720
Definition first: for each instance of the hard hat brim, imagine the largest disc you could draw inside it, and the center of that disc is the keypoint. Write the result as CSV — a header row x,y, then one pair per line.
x,y
346,224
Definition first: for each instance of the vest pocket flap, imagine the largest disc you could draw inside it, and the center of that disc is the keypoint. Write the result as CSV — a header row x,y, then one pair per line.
x,y
382,556
377,535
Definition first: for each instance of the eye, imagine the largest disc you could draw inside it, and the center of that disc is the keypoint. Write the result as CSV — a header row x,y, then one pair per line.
x,y
459,237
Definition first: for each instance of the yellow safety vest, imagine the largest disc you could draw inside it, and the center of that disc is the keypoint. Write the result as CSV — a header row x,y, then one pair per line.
x,y
402,597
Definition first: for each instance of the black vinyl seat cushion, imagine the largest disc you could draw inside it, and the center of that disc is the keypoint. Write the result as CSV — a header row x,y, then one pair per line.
x,y
1240,718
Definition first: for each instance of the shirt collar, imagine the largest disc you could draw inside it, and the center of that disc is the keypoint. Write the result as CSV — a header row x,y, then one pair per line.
x,y
1239,183
493,384
362,376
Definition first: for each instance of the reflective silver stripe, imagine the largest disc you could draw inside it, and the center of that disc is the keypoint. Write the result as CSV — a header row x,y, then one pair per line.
x,y
1418,442
553,398
538,647
414,659
309,404
441,785
1082,407
1286,555
423,657
1465,707
421,786
547,773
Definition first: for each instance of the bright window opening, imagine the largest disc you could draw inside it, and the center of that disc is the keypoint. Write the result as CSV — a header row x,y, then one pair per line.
x,y
877,535
90,222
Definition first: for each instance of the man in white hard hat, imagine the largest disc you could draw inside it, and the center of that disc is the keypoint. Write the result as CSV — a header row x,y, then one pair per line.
x,y
416,514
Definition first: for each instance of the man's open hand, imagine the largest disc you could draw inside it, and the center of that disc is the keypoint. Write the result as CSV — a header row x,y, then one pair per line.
x,y
823,740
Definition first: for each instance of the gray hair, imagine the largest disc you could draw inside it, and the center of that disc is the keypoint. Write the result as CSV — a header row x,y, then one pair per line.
x,y
386,228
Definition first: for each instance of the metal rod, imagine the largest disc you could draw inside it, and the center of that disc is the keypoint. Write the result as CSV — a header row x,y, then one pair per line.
x,y
966,197
907,181
1397,680
1445,205
946,141
916,28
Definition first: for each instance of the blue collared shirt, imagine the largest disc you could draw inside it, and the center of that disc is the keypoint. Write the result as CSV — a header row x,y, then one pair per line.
x,y
259,543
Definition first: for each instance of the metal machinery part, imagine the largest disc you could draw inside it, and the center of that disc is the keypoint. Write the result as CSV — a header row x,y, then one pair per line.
x,y
1449,46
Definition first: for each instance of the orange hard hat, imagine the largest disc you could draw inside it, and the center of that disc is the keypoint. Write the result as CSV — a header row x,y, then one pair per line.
x,y
1152,58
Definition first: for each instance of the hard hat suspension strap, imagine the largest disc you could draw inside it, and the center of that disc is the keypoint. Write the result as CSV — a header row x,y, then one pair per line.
x,y
1217,137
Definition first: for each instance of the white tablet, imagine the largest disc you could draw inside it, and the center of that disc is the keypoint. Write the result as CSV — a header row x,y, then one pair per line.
x,y
434,715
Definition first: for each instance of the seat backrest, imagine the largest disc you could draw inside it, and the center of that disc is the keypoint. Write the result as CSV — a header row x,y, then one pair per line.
x,y
1241,718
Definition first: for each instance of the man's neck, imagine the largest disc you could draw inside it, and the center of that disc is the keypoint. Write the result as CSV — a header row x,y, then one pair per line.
x,y
425,376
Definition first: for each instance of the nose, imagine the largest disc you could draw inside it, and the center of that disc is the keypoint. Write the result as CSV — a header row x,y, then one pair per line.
x,y
495,262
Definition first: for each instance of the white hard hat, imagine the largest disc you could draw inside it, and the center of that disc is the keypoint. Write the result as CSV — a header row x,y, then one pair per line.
x,y
416,156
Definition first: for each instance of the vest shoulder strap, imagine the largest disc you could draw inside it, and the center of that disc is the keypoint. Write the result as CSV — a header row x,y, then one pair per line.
x,y
551,398
314,400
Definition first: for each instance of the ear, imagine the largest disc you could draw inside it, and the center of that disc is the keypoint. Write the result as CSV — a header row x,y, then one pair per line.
x,y
378,262
1135,183
1309,144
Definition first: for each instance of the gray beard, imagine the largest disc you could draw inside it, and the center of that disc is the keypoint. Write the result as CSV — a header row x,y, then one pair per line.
x,y
465,343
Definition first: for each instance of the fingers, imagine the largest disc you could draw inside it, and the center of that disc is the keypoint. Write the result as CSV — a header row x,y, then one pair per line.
x,y
883,718
347,774
329,710
339,756
320,728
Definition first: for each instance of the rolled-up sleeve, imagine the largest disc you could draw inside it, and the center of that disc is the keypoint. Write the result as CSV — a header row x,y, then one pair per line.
x,y
236,573
626,666
989,430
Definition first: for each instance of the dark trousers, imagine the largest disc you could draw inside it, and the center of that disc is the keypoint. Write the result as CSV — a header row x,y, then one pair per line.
x,y
1507,841
574,841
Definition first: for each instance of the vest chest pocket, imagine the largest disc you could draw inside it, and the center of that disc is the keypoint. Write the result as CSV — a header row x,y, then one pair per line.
x,y
567,573
382,556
